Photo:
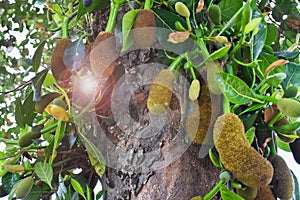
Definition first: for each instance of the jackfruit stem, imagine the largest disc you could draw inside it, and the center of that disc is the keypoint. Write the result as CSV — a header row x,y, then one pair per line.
x,y
114,7
148,4
214,191
176,62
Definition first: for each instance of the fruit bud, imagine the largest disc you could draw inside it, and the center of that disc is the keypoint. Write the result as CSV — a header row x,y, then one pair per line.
x,y
182,9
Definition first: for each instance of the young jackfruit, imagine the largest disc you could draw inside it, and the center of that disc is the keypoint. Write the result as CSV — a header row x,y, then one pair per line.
x,y
248,193
236,154
14,168
45,100
282,182
285,121
160,92
295,149
214,14
24,187
264,193
289,107
59,70
145,32
27,139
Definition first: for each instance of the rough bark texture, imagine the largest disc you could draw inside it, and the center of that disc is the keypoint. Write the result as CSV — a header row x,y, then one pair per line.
x,y
135,173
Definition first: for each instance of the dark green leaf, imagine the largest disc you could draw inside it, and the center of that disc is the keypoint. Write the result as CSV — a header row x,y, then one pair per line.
x,y
100,194
9,180
127,24
35,193
36,59
227,194
28,109
19,115
235,89
99,4
44,172
293,74
272,33
166,19
229,8
260,37
37,84
297,188
287,55
246,17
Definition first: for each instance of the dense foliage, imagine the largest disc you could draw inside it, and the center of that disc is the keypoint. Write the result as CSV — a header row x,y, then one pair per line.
x,y
249,52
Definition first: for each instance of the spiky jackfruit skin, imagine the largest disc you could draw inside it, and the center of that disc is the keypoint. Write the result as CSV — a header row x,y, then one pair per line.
x,y
236,154
295,149
24,187
248,193
103,54
145,33
59,70
160,92
282,182
264,193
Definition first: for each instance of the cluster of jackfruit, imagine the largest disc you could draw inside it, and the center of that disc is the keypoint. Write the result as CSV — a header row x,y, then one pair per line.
x,y
263,179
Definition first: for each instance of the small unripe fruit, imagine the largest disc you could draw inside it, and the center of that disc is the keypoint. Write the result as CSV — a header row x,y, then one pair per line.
x,y
289,107
45,100
145,32
27,139
14,168
160,92
24,187
282,182
182,9
194,90
214,14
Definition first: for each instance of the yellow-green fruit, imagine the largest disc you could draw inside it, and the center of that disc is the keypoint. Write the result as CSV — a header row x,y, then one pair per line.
x,y
289,107
264,193
182,9
214,14
45,100
14,168
10,161
145,33
60,102
285,121
160,92
247,193
103,54
59,70
236,154
282,182
292,91
26,139
24,187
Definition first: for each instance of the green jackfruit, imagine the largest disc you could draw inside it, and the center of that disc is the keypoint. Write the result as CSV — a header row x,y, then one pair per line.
x,y
214,14
45,100
236,154
24,187
146,35
282,182
264,193
248,193
182,9
160,92
285,121
295,149
26,139
289,107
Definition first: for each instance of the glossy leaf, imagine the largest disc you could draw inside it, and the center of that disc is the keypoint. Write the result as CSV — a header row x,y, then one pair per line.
x,y
282,145
77,187
247,12
287,54
250,134
28,109
74,54
127,24
9,180
267,60
37,56
37,82
96,5
167,19
252,25
260,36
35,193
229,8
100,194
19,115
292,71
227,194
272,33
59,134
220,53
44,172
235,89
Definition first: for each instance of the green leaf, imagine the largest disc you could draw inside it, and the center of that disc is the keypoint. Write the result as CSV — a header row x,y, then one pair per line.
x,y
247,12
227,194
272,33
167,19
229,8
127,24
37,84
9,180
220,53
292,74
250,134
282,145
19,115
36,59
35,193
287,55
266,60
44,172
28,109
59,134
49,80
77,187
235,18
235,89
297,188
97,4
252,25
100,194
260,36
